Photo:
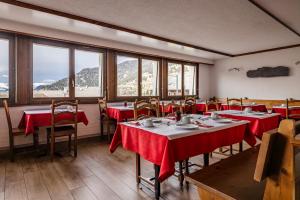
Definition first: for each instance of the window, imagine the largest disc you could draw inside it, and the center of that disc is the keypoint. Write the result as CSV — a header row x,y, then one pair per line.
x,y
88,73
150,74
189,80
174,79
127,76
4,68
50,71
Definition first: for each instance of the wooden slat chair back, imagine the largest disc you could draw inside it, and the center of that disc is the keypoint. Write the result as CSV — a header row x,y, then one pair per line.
x,y
289,103
11,131
155,101
211,106
105,120
64,116
189,106
234,101
273,165
175,107
143,109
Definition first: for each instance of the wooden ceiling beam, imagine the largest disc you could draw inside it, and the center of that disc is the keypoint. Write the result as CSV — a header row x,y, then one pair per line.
x,y
274,17
107,25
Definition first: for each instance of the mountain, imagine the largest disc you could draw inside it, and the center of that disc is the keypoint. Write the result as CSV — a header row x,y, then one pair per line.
x,y
88,77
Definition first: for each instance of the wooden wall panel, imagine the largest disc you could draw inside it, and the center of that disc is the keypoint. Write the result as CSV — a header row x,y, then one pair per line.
x,y
164,81
23,71
111,76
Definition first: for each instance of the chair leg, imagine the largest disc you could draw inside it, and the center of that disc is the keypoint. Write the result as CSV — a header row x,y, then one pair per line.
x,y
231,150
52,147
11,149
48,144
75,145
70,143
108,132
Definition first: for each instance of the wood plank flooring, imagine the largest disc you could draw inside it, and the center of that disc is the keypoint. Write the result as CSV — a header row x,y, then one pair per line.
x,y
94,175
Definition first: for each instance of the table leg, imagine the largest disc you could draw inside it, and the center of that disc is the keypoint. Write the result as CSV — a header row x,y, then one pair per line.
x,y
206,159
187,171
241,147
138,168
181,176
157,183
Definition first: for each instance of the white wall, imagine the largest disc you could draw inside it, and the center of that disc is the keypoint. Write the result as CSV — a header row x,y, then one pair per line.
x,y
236,84
204,81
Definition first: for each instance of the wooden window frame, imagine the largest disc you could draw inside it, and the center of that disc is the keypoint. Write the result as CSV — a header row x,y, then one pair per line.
x,y
11,66
182,63
71,48
139,57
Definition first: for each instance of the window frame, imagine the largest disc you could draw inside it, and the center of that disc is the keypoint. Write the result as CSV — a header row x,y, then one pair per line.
x,y
71,47
182,63
139,57
11,66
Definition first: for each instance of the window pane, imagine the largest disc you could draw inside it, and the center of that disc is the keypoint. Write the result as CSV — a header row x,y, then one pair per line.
x,y
174,79
50,71
189,80
127,76
88,74
4,66
149,77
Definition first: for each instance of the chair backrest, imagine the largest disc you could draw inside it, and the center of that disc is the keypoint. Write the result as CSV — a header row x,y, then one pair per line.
x,y
102,104
153,100
211,106
143,109
189,105
234,101
5,104
290,102
173,108
64,113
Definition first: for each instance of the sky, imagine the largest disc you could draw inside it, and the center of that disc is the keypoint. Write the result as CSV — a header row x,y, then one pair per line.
x,y
52,63
3,60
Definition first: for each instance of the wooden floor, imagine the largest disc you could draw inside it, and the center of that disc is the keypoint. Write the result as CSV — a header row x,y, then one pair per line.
x,y
95,174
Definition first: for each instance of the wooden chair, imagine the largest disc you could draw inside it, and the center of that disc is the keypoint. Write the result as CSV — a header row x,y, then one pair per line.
x,y
189,105
210,104
105,120
12,131
288,104
155,101
175,107
143,109
233,101
274,165
62,126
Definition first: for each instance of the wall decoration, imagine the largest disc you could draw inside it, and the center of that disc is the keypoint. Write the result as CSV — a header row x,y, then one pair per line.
x,y
269,72
235,69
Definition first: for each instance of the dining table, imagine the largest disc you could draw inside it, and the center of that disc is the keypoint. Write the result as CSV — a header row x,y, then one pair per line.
x,y
260,122
32,119
293,110
167,141
254,107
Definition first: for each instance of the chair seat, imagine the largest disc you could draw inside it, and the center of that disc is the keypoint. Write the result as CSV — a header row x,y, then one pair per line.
x,y
18,131
62,131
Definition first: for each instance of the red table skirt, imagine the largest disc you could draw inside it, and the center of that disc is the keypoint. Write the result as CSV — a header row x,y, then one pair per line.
x,y
31,121
258,126
164,152
201,107
282,111
257,108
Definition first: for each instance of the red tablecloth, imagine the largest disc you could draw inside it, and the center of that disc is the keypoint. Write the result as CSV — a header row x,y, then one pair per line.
x,y
119,114
257,108
201,107
161,151
31,121
258,126
282,111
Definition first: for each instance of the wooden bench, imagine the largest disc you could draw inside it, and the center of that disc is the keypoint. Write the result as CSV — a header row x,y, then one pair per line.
x,y
264,172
